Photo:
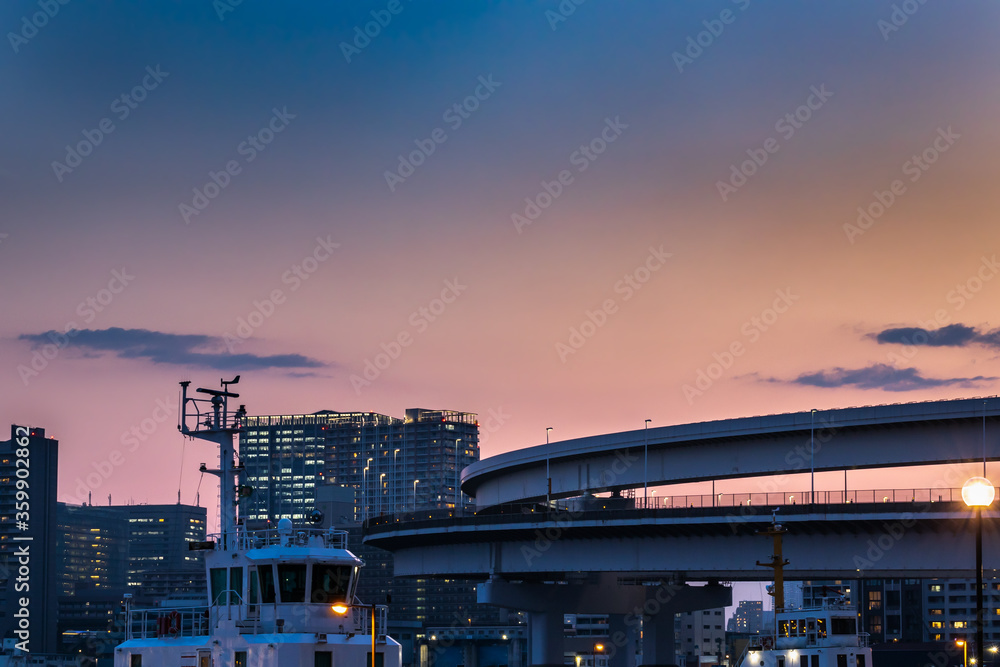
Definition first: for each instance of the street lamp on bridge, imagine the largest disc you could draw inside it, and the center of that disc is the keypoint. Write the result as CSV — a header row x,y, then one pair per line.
x,y
978,493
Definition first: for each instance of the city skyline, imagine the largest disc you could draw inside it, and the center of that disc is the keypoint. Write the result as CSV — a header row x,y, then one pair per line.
x,y
576,216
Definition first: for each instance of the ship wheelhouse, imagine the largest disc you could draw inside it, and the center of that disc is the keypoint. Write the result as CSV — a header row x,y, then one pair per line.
x,y
277,579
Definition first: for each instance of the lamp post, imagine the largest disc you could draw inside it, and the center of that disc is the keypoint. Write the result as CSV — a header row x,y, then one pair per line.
x,y
395,482
415,494
965,651
368,492
645,462
381,492
548,475
341,608
364,493
812,457
978,493
458,490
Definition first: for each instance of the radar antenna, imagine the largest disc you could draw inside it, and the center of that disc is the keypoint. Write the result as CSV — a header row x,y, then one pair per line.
x,y
210,419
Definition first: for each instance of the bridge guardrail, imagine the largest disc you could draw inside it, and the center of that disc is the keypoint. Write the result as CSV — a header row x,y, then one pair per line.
x,y
609,507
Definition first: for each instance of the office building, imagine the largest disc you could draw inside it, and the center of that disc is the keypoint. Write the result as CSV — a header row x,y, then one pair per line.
x,y
93,557
159,561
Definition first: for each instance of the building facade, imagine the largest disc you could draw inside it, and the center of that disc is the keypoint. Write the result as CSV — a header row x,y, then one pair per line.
x,y
748,618
159,561
701,636
296,463
93,550
29,464
392,464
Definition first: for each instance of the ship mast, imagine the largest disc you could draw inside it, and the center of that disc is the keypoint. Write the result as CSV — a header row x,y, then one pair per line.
x,y
777,562
211,420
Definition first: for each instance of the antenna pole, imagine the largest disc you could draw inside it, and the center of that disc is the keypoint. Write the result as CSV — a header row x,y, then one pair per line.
x,y
777,562
220,427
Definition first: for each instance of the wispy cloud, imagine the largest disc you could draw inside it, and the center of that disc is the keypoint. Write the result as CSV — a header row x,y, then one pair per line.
x,y
953,335
879,376
168,348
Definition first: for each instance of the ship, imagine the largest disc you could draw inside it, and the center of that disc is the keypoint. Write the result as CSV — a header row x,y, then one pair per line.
x,y
820,636
277,597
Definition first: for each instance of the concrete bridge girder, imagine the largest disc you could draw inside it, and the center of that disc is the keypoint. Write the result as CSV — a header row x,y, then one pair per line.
x,y
603,596
882,544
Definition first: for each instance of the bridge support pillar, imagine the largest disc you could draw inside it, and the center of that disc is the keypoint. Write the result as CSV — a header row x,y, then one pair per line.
x,y
545,639
658,639
471,655
514,653
621,642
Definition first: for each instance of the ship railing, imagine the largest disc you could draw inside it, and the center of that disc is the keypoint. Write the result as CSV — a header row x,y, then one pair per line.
x,y
255,539
169,622
864,639
363,619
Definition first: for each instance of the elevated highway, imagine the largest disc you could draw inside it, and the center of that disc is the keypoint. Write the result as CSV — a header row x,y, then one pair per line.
x,y
547,540
835,541
881,436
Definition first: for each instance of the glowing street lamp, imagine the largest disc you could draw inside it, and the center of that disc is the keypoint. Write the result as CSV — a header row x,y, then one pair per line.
x,y
978,493
965,651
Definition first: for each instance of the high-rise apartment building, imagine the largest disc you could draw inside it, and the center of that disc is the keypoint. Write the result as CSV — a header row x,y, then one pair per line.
x,y
28,565
748,618
392,464
389,465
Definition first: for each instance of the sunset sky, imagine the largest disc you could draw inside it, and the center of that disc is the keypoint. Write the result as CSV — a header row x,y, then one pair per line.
x,y
576,216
